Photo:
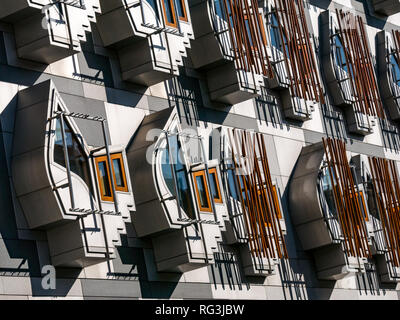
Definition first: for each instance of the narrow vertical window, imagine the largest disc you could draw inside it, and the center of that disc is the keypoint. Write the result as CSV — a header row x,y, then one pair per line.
x,y
214,185
181,9
169,13
119,172
203,196
104,179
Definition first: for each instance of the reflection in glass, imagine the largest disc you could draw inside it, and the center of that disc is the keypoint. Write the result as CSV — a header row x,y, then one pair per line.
x,y
327,188
185,197
119,180
201,185
104,179
153,4
180,9
78,161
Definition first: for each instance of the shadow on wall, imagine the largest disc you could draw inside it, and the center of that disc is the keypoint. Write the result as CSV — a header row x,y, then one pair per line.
x,y
184,93
268,110
227,272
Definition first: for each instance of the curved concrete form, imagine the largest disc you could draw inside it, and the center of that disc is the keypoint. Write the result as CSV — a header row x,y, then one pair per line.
x,y
61,197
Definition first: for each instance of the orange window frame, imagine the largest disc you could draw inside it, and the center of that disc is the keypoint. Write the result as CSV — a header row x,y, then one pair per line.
x,y
172,6
202,174
213,171
118,156
102,191
117,188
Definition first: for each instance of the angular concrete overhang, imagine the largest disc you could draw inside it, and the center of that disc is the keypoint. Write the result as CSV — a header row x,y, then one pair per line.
x,y
150,49
387,59
47,31
338,80
386,7
53,196
312,214
184,236
230,79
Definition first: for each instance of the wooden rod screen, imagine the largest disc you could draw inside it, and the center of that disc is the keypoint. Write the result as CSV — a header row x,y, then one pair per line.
x,y
247,34
387,192
256,193
298,51
348,204
353,35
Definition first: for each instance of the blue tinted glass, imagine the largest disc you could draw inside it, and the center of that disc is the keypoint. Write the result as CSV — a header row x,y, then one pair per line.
x,y
219,9
169,12
181,176
153,4
395,69
180,8
78,161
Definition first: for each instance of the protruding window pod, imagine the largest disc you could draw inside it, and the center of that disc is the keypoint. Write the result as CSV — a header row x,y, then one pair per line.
x,y
44,31
292,58
381,179
386,7
151,37
328,202
349,71
187,197
174,205
62,197
233,54
388,59
256,222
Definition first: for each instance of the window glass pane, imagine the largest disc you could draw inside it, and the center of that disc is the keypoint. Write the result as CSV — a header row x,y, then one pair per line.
x,y
219,9
201,185
104,179
395,70
185,196
169,12
119,179
328,192
214,185
78,161
180,8
232,185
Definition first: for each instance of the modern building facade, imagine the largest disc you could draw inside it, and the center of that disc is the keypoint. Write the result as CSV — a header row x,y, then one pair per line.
x,y
200,149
